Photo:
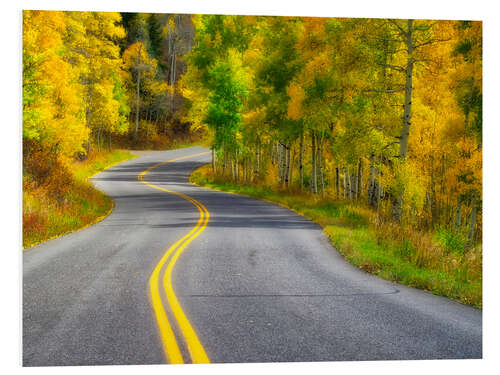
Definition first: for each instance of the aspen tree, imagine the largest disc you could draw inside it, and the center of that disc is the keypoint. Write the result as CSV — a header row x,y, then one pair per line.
x,y
52,107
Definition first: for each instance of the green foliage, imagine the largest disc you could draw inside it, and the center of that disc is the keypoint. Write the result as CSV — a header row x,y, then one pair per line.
x,y
452,241
225,105
120,95
155,36
218,62
137,27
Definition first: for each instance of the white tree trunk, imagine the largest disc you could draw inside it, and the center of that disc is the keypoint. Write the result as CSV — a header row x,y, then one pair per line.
x,y
397,202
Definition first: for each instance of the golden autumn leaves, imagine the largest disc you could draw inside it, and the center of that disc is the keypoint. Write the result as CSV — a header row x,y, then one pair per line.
x,y
343,83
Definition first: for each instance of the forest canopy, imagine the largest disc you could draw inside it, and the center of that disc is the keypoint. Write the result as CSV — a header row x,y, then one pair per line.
x,y
384,111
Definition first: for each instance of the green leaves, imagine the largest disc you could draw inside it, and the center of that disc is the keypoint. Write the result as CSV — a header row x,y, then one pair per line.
x,y
218,61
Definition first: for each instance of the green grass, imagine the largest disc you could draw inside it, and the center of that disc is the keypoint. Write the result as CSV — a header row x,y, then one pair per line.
x,y
79,204
435,262
451,241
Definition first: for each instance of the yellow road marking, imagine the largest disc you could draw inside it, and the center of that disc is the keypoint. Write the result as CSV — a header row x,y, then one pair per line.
x,y
170,345
195,348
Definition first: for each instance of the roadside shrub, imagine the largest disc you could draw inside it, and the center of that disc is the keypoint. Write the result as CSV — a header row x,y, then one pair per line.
x,y
452,241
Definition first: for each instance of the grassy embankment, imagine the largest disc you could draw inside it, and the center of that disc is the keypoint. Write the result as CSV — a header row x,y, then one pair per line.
x,y
66,201
437,262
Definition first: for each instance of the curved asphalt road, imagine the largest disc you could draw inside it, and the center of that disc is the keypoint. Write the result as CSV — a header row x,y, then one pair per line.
x,y
259,284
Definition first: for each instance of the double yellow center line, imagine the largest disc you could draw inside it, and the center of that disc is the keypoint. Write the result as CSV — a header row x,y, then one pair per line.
x,y
170,346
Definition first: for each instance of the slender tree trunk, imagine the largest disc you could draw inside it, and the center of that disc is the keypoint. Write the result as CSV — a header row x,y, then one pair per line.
x,y
320,166
405,131
236,167
224,163
138,92
458,220
360,179
169,45
301,159
172,54
99,133
287,165
371,181
156,119
397,208
278,162
245,170
432,189
348,189
231,163
282,163
337,182
250,168
440,206
345,188
354,186
213,162
352,180
163,118
473,218
258,158
172,96
314,182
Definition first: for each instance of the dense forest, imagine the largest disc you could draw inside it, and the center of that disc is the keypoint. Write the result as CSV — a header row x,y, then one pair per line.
x,y
384,114
388,112
91,77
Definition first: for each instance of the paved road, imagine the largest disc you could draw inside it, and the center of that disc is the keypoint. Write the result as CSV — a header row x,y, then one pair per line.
x,y
259,284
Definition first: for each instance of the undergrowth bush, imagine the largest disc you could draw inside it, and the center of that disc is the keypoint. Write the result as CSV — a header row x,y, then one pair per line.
x,y
58,199
452,241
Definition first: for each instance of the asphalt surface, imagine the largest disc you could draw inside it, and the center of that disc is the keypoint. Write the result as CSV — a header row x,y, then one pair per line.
x,y
260,284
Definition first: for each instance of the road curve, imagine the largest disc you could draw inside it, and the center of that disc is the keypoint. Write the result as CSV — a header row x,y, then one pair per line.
x,y
259,284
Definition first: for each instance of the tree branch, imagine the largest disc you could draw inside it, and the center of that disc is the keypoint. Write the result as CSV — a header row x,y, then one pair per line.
x,y
390,144
393,67
284,145
430,41
385,91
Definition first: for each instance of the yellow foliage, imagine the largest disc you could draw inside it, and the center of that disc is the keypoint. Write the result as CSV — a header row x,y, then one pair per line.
x,y
297,95
53,108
